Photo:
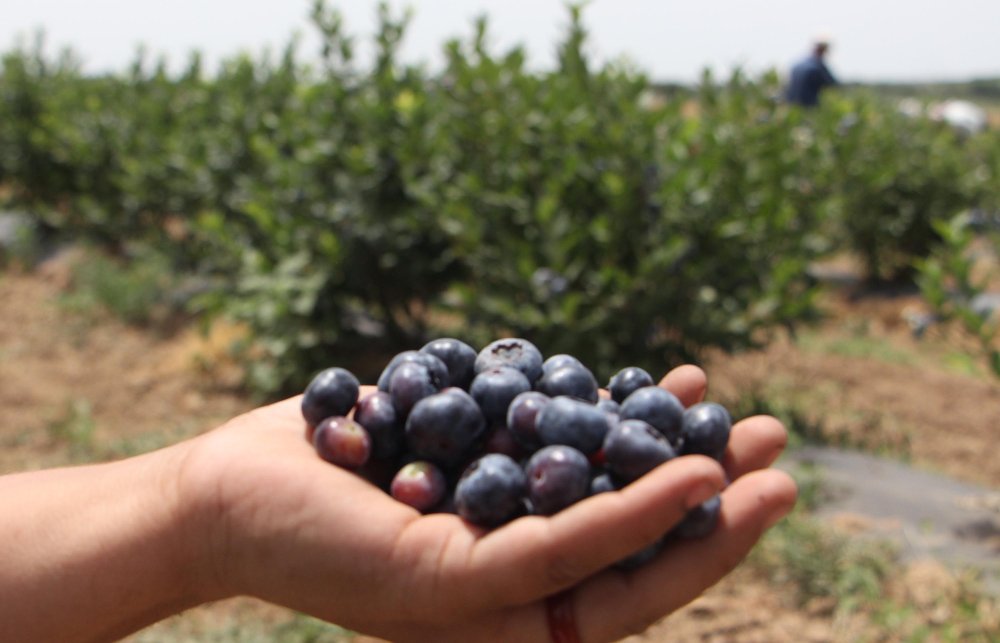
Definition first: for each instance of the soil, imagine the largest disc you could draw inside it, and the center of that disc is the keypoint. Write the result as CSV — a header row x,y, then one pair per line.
x,y
863,379
62,372
78,386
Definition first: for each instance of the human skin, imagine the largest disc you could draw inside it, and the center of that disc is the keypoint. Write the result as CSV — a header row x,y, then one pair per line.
x,y
93,553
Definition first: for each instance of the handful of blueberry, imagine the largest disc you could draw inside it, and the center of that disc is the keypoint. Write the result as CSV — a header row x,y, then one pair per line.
x,y
499,433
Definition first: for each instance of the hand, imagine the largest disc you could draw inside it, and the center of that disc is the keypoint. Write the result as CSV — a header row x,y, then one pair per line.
x,y
277,522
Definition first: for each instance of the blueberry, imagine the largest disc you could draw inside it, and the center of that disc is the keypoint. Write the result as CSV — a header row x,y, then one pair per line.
x,y
437,368
565,420
628,380
500,439
495,388
558,476
376,413
699,521
513,352
332,392
609,406
558,361
569,380
521,415
342,442
419,484
444,427
633,448
604,482
705,430
656,406
491,491
459,357
379,472
411,382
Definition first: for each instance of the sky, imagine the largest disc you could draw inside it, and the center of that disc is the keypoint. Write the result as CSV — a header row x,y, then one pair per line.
x,y
873,40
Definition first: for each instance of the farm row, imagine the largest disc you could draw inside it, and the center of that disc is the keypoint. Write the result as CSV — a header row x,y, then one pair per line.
x,y
335,205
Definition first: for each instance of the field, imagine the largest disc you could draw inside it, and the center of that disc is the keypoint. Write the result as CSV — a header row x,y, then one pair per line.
x,y
177,247
81,385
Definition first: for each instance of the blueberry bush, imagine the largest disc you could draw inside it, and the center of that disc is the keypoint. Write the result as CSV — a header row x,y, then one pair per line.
x,y
342,210
957,283
890,176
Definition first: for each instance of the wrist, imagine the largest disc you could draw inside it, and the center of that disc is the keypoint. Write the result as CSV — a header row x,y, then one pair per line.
x,y
194,490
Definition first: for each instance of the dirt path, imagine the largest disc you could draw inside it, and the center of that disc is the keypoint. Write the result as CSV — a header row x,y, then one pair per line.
x,y
927,515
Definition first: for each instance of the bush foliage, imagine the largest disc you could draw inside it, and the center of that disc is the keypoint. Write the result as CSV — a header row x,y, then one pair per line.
x,y
345,210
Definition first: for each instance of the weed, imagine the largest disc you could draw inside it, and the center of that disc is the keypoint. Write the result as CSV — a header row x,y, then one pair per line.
x,y
820,563
802,427
21,240
74,428
245,626
136,292
864,577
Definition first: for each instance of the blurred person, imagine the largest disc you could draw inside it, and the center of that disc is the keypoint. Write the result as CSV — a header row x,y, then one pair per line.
x,y
97,552
810,76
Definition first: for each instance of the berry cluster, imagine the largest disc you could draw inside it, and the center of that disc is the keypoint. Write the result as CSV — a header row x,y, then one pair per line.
x,y
499,433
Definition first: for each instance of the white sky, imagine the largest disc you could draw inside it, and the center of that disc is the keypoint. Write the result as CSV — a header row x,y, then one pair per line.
x,y
873,39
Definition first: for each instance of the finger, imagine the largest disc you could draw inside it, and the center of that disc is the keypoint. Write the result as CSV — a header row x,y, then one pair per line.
x,y
754,443
285,415
687,382
533,557
617,604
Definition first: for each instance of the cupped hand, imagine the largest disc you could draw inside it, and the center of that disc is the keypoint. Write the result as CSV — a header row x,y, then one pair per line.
x,y
276,522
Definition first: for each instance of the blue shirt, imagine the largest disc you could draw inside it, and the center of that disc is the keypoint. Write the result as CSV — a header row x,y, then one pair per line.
x,y
809,76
